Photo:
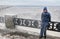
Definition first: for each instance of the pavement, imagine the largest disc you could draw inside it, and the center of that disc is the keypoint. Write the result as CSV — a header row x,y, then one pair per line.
x,y
33,31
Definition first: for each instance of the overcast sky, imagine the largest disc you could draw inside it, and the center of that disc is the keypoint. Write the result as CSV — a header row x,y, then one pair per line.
x,y
31,2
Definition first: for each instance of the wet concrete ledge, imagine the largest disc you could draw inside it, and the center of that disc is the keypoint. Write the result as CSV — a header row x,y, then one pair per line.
x,y
24,35
26,32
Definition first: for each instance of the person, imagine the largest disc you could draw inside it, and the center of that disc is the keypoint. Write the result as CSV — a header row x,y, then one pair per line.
x,y
45,19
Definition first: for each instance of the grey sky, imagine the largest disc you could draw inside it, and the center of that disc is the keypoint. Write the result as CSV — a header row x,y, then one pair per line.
x,y
31,2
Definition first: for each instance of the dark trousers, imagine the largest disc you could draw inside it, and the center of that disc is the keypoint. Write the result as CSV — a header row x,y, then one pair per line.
x,y
43,29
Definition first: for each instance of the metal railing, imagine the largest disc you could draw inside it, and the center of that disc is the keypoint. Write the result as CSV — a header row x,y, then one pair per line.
x,y
36,23
27,22
33,23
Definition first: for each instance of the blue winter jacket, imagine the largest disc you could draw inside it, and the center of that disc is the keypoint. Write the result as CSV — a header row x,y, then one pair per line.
x,y
45,17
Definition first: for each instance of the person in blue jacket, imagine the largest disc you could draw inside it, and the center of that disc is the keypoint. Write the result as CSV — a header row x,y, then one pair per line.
x,y
45,18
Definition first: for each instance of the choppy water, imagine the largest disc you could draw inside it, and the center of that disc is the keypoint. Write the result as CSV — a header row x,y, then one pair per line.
x,y
32,12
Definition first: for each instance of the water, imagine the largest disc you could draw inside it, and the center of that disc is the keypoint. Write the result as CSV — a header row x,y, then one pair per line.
x,y
32,12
